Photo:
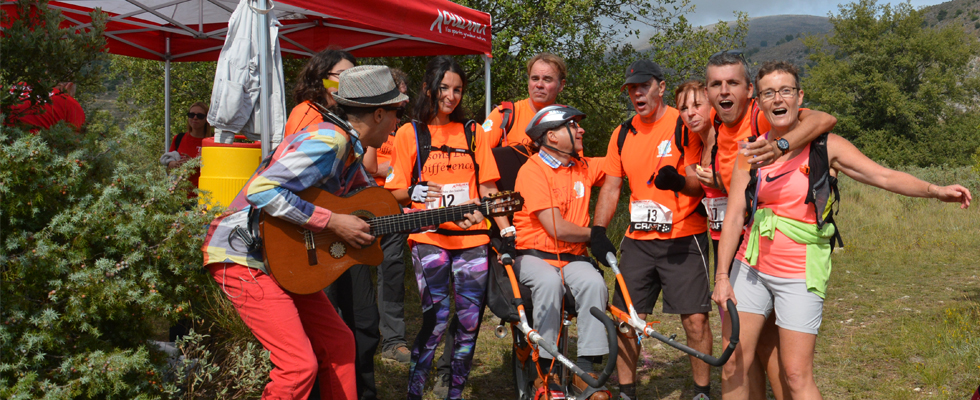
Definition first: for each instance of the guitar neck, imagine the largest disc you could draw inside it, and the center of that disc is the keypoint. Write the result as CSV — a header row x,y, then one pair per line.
x,y
412,221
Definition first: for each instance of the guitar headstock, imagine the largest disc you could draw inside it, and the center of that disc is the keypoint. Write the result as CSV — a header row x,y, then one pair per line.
x,y
501,203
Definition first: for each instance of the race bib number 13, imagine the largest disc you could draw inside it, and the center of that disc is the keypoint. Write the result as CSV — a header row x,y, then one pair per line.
x,y
648,215
453,194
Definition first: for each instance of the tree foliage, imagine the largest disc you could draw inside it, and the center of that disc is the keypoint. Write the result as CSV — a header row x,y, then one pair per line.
x,y
901,91
34,29
594,50
99,249
141,93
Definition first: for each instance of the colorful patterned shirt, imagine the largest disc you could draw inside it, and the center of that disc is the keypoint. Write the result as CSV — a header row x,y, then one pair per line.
x,y
320,156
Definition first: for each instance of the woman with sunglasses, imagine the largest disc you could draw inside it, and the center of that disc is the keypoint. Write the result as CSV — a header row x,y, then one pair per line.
x,y
451,260
188,144
783,263
316,82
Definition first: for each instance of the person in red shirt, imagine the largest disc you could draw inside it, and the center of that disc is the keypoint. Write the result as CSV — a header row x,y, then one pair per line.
x,y
62,106
187,145
665,247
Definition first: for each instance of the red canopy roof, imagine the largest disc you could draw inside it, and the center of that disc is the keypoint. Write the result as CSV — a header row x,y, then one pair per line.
x,y
366,28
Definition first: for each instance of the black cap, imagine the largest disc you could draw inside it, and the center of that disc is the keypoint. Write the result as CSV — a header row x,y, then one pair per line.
x,y
641,71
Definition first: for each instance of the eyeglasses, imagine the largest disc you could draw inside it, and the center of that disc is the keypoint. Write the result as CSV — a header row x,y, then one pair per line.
x,y
786,92
192,115
572,124
399,111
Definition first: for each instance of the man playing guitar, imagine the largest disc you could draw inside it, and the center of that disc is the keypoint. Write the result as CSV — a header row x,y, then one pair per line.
x,y
304,335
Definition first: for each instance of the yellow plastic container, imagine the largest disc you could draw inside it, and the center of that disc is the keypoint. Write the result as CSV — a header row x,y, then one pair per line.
x,y
225,168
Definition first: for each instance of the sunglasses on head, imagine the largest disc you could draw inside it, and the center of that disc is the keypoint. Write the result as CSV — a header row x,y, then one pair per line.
x,y
399,111
737,53
196,115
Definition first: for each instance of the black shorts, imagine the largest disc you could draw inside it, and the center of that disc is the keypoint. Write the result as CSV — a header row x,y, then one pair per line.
x,y
676,266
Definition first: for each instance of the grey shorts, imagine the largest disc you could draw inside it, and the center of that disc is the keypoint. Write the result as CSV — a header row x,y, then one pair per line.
x,y
796,308
678,267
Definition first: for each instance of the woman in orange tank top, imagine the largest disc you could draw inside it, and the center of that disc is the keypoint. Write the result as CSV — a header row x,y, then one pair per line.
x,y
789,254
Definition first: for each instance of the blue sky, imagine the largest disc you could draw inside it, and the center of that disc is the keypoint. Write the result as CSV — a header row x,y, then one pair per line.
x,y
710,11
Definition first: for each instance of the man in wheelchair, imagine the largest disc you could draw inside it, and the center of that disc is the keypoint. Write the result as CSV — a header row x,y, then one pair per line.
x,y
552,243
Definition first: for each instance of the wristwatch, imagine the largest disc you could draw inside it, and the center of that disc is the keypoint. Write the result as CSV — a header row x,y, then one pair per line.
x,y
783,145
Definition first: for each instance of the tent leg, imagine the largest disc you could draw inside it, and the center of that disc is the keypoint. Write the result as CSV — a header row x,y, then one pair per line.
x,y
166,101
264,80
486,73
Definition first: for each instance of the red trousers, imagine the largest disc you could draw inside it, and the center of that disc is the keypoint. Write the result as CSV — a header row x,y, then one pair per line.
x,y
303,333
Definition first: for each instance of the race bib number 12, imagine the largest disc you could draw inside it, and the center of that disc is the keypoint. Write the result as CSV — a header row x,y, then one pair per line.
x,y
648,215
453,194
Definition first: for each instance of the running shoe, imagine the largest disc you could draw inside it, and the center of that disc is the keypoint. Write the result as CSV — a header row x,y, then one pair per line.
x,y
398,354
441,390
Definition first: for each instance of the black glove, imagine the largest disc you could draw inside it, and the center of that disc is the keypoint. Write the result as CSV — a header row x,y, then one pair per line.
x,y
668,179
601,244
508,245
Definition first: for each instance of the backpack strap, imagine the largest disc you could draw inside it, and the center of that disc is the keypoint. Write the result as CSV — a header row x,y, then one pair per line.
x,y
754,118
626,126
681,137
423,145
506,109
469,129
177,140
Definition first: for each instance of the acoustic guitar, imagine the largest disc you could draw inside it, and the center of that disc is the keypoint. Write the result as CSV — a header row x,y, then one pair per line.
x,y
304,262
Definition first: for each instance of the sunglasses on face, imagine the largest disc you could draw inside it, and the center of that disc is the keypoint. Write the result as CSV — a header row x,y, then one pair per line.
x,y
193,115
399,111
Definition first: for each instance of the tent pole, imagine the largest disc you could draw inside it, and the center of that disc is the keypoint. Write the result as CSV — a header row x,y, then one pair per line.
x,y
486,74
264,79
166,99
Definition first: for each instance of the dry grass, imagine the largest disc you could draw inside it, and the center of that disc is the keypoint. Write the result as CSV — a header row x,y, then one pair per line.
x,y
902,317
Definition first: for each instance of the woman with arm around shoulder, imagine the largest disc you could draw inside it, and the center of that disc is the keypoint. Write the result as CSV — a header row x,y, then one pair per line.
x,y
783,262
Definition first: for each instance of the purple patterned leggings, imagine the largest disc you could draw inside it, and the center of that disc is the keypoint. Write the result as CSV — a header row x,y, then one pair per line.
x,y
441,273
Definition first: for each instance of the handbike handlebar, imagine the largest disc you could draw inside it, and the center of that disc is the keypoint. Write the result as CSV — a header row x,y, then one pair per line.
x,y
707,358
649,331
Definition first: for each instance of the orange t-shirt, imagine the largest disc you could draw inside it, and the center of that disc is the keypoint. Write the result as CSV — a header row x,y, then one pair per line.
x,y
783,188
566,188
303,115
521,116
453,170
728,138
385,154
643,155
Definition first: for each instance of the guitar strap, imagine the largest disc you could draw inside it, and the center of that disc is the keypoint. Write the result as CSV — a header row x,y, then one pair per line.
x,y
252,236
